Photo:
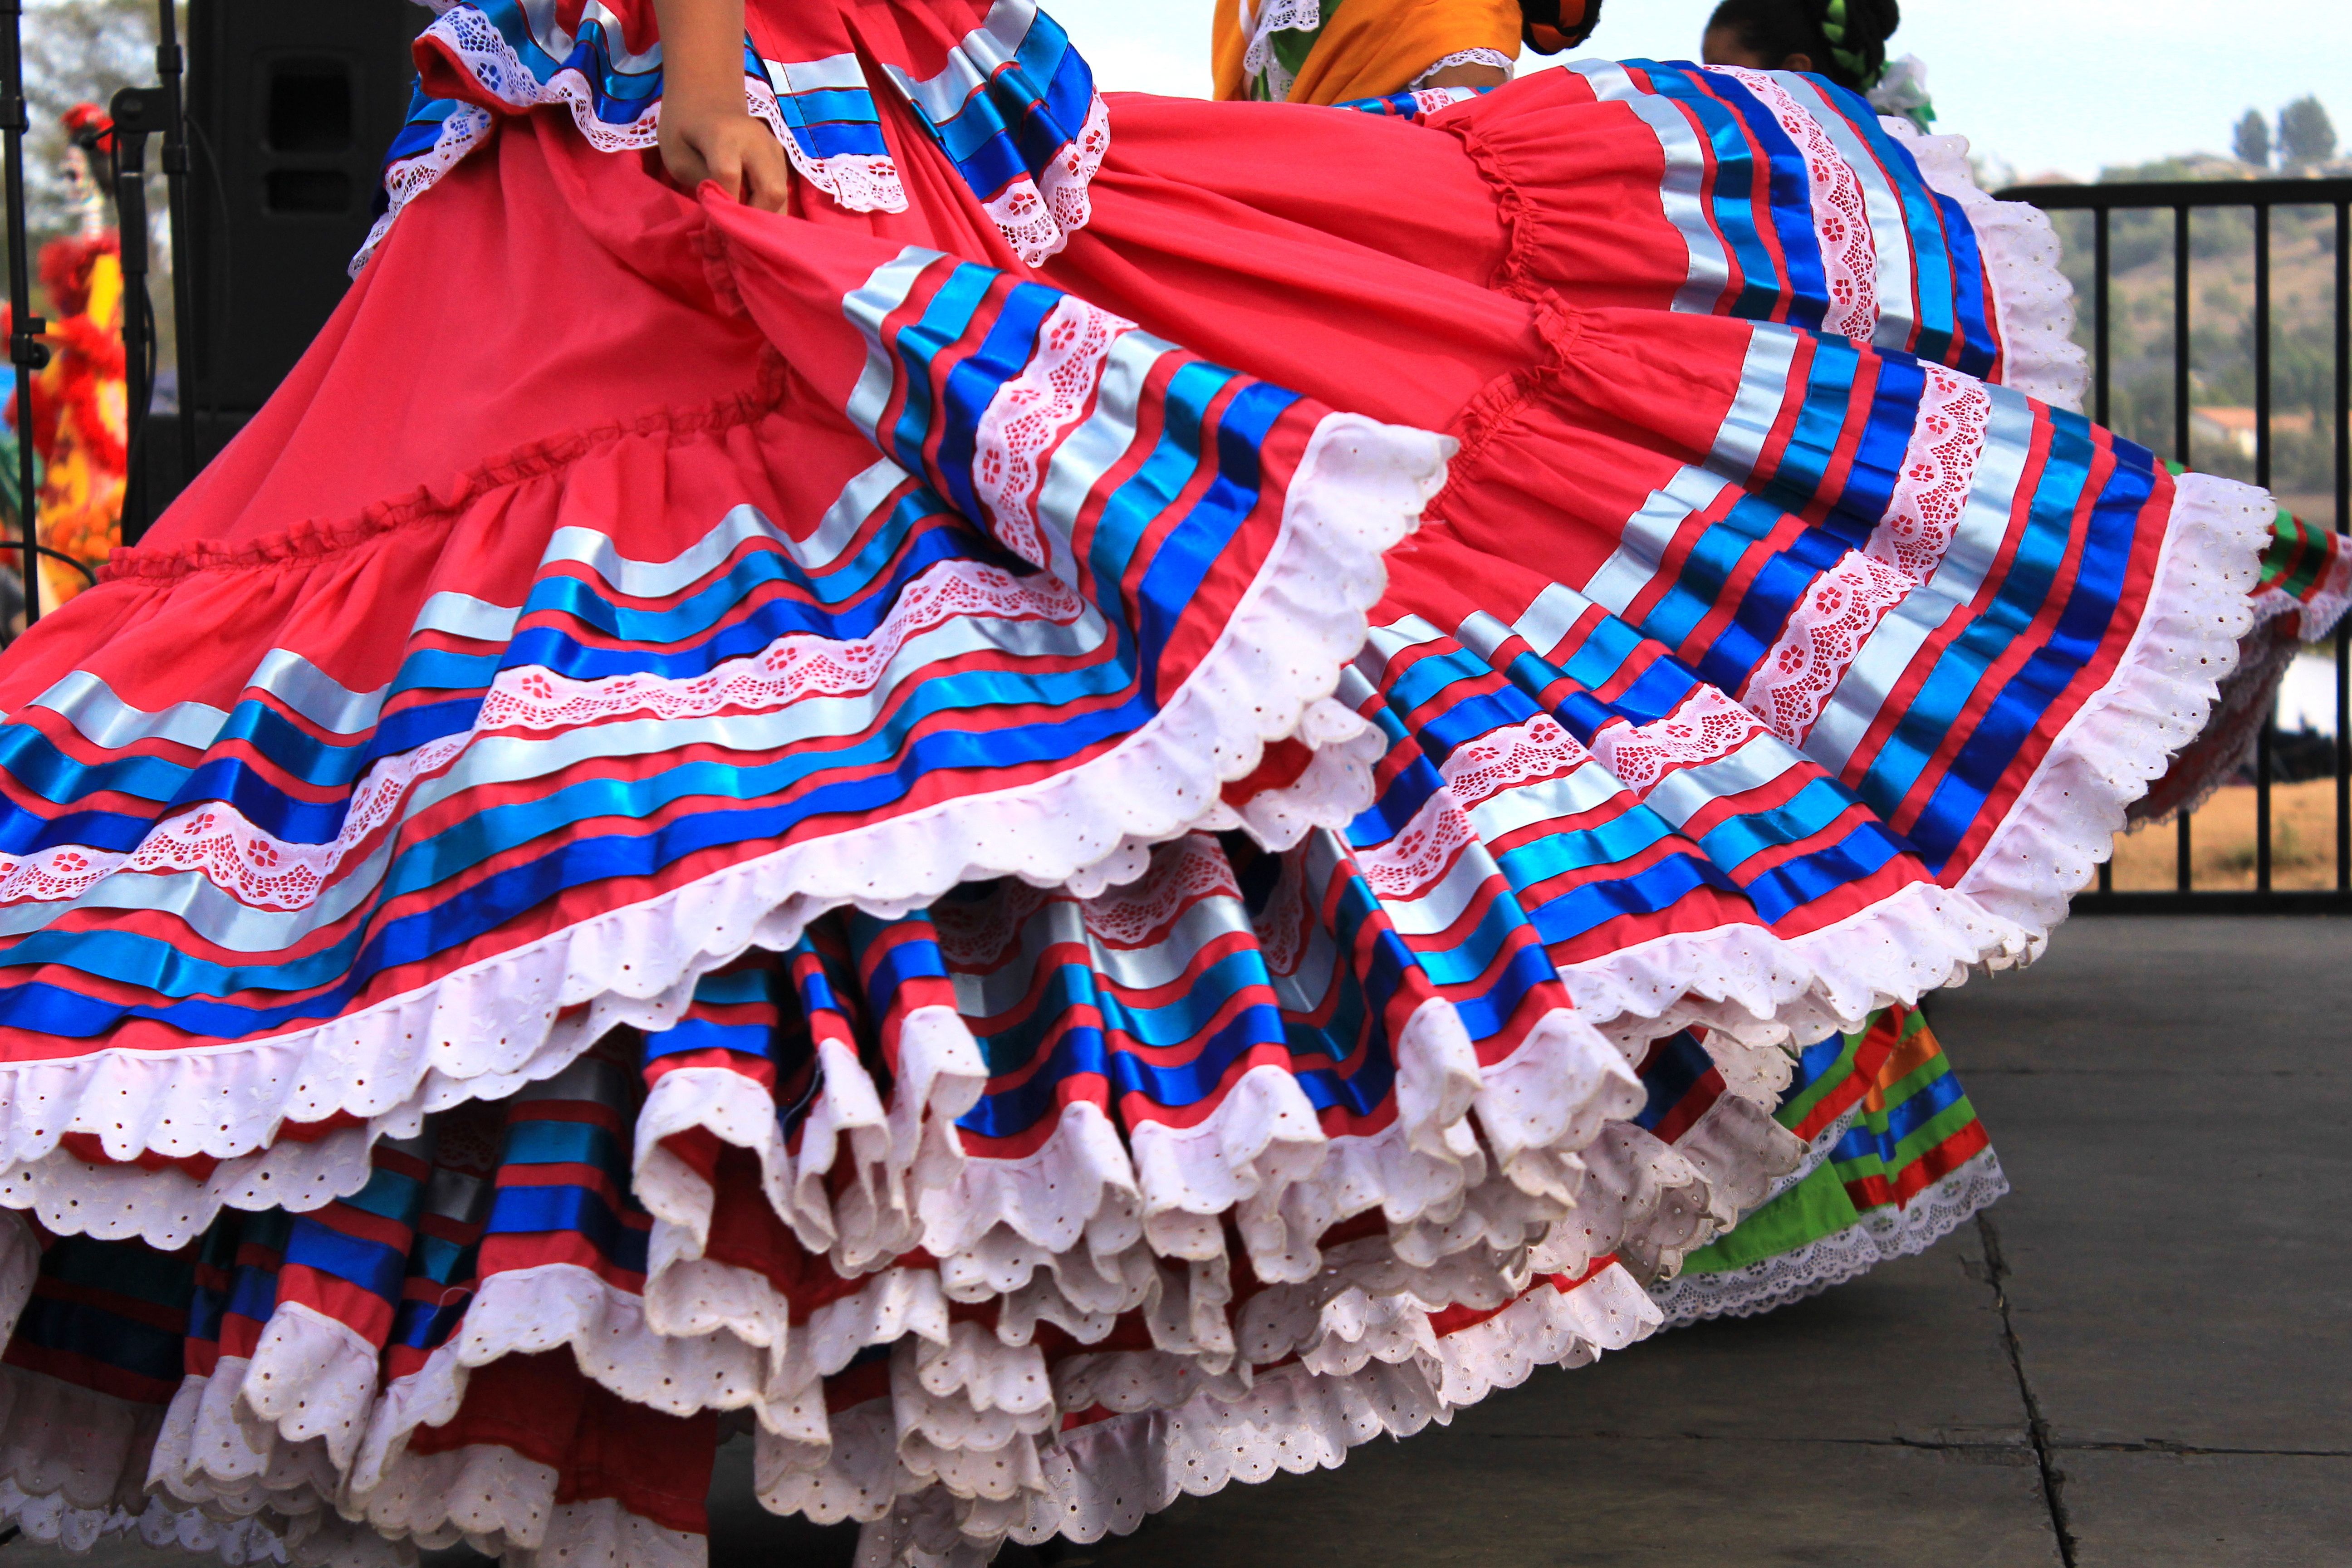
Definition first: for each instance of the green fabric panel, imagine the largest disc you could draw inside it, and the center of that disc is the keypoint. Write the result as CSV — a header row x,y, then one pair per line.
x,y
1813,1208
1291,46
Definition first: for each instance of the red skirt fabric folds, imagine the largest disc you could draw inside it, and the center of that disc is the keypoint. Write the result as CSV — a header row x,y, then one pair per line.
x,y
1156,788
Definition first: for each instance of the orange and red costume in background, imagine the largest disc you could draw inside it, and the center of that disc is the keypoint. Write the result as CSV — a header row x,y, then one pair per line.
x,y
80,401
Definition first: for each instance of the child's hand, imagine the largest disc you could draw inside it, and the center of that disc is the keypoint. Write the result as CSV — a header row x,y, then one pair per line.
x,y
726,145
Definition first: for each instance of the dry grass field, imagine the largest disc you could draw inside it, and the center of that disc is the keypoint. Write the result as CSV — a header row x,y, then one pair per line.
x,y
2222,836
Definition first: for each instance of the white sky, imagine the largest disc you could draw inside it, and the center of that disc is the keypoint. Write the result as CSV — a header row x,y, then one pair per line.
x,y
2043,85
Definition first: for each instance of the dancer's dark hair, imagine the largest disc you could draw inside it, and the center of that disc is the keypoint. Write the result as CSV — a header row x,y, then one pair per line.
x,y
1845,39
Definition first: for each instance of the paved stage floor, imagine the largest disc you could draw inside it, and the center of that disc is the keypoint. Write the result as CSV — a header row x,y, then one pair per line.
x,y
2136,1360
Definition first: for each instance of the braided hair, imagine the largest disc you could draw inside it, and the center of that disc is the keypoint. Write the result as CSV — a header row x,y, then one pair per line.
x,y
1845,39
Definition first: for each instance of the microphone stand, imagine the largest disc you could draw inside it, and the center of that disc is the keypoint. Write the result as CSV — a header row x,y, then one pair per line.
x,y
170,62
138,113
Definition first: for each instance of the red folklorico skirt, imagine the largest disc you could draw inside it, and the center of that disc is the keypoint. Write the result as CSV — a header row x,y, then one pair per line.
x,y
1158,787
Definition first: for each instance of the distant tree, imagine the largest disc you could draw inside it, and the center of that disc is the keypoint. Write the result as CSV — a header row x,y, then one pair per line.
x,y
2305,134
2253,140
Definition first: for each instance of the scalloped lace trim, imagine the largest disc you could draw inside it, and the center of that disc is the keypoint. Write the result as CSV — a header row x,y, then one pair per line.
x,y
171,1208
1481,56
1030,413
863,1170
80,1454
1703,726
1837,614
1763,989
51,1521
1841,212
411,177
1261,20
1880,1236
1393,1378
2034,302
969,1406
1359,489
505,1506
1037,215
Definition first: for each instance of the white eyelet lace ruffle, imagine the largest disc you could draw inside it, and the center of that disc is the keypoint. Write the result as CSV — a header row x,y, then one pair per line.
x,y
2033,303
2160,697
857,182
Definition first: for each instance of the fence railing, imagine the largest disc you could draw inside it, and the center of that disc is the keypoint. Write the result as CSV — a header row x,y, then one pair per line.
x,y
2222,233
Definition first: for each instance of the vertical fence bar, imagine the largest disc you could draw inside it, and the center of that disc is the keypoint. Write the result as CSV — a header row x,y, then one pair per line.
x,y
2184,879
26,350
2343,526
2102,361
2263,737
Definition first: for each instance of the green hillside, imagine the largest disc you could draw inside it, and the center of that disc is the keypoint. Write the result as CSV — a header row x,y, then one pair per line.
x,y
2222,336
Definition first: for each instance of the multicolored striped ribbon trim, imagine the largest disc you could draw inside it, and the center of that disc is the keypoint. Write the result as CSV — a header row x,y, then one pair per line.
x,y
1015,108
1016,113
1796,206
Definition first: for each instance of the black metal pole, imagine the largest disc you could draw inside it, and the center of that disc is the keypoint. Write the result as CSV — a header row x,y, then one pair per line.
x,y
26,350
2102,317
2101,377
135,110
2262,478
2184,877
2344,526
130,222
170,63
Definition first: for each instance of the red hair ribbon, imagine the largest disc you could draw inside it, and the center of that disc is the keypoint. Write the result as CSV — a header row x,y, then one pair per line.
x,y
1571,27
88,125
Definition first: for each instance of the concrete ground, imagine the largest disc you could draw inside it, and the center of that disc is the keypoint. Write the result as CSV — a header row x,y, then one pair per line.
x,y
2136,1360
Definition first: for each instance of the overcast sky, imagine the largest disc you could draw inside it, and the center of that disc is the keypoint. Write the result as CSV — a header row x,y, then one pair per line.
x,y
2044,85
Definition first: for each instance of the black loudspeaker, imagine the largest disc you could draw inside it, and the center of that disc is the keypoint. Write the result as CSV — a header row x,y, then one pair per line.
x,y
291,105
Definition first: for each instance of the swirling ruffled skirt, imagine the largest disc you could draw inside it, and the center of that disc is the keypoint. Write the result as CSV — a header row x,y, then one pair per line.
x,y
1050,886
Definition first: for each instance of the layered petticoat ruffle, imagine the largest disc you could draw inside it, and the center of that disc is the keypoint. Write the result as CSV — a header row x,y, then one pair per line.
x,y
316,1402
1155,931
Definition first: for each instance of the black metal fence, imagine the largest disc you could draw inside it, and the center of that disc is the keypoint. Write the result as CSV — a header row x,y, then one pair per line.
x,y
2163,361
